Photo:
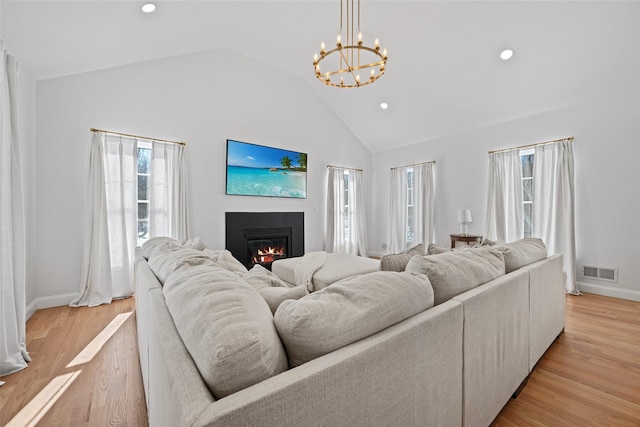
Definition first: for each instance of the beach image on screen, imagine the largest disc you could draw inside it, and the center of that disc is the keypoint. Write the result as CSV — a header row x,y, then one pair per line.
x,y
257,170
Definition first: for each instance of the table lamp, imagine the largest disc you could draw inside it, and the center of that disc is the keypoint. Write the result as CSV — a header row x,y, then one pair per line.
x,y
464,218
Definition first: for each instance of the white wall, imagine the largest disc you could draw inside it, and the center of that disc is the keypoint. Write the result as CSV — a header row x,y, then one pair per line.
x,y
202,99
607,156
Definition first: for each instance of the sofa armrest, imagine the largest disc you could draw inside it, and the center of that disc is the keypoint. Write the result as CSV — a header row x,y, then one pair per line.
x,y
496,345
546,305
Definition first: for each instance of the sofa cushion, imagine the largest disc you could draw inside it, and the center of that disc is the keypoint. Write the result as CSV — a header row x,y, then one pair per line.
x,y
159,245
398,262
522,252
226,260
164,263
226,326
274,296
349,310
455,272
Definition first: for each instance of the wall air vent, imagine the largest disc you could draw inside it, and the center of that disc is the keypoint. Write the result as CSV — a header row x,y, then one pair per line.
x,y
609,274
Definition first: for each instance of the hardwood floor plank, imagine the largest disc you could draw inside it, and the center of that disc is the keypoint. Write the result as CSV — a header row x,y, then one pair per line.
x,y
589,377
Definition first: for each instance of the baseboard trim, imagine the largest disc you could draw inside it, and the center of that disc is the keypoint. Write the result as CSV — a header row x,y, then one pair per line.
x,y
48,302
608,291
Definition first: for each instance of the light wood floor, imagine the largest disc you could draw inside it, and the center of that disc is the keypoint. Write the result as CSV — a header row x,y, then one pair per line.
x,y
589,377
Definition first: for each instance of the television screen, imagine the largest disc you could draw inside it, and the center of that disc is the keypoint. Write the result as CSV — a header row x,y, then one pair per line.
x,y
256,170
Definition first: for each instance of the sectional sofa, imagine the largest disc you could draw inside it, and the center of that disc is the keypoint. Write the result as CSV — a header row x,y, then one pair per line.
x,y
368,350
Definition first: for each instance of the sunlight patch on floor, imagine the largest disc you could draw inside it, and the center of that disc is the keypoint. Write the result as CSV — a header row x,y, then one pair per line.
x,y
33,412
99,341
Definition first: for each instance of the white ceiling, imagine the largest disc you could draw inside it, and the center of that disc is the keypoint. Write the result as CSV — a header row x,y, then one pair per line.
x,y
443,77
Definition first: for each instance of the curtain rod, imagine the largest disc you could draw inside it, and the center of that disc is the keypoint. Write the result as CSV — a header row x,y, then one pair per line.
x,y
531,145
342,167
415,164
137,136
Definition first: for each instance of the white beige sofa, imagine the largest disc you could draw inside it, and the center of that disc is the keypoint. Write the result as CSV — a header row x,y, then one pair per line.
x,y
454,364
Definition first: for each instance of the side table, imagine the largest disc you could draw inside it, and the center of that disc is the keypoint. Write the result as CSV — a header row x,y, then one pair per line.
x,y
465,238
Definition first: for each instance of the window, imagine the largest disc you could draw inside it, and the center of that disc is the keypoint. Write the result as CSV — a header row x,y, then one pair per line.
x,y
526,159
346,203
144,164
411,232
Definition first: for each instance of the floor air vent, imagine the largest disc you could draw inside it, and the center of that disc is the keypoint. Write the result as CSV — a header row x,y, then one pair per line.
x,y
610,274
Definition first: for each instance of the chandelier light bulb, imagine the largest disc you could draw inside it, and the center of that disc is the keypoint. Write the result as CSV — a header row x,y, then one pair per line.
x,y
376,43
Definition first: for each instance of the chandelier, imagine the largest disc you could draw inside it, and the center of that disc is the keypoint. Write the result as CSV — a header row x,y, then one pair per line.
x,y
343,64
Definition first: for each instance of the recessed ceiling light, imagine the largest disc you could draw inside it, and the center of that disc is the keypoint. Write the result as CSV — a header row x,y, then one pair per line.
x,y
148,7
384,105
506,54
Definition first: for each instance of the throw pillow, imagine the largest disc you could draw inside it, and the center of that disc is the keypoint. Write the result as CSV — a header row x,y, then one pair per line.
x,y
259,277
274,296
435,250
523,252
349,310
226,326
398,262
455,272
195,243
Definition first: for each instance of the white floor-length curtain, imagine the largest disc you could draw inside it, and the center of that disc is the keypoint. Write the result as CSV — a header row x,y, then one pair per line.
x,y
553,204
423,203
398,214
111,228
168,191
504,201
422,221
345,230
13,350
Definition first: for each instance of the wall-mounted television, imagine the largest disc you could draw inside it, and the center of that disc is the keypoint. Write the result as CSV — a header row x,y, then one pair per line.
x,y
257,170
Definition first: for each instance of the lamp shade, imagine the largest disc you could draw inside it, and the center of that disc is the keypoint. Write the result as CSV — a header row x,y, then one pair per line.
x,y
464,216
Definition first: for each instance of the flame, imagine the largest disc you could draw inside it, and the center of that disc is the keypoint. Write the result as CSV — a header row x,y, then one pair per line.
x,y
268,254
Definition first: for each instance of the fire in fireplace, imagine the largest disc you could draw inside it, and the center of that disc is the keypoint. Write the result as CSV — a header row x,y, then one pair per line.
x,y
264,252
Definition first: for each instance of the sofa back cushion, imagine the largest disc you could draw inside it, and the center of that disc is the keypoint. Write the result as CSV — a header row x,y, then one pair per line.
x,y
226,326
398,262
455,272
156,245
522,252
349,310
164,263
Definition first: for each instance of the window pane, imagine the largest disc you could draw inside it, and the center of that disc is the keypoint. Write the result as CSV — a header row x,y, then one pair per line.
x,y
144,160
526,190
527,165
143,221
411,233
143,189
527,219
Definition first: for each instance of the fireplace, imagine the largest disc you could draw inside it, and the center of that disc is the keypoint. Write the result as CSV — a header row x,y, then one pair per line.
x,y
264,237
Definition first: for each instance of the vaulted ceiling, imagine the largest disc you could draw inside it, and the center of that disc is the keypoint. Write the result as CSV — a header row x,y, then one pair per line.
x,y
444,75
